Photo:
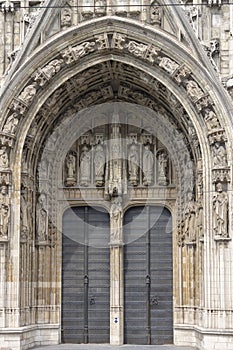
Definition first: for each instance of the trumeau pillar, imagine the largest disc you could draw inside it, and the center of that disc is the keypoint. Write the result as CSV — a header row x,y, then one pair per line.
x,y
116,273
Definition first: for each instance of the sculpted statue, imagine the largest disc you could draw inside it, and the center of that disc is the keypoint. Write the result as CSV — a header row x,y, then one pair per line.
x,y
70,165
24,216
220,217
162,168
100,6
11,124
193,90
148,166
219,155
116,216
189,221
169,65
99,165
133,162
28,93
4,195
66,17
85,166
4,161
4,219
41,218
155,15
199,219
211,120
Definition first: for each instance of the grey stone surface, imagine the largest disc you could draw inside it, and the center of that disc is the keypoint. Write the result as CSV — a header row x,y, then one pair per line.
x,y
114,347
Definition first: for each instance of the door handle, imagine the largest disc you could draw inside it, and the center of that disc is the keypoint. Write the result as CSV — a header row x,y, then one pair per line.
x,y
92,300
154,300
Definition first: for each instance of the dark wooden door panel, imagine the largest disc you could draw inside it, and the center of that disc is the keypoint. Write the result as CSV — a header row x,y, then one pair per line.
x,y
85,257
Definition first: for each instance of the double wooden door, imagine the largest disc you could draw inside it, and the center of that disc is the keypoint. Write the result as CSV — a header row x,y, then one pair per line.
x,y
148,307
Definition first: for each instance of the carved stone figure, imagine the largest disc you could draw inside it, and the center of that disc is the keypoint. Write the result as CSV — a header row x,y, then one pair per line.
x,y
28,93
85,166
189,219
11,124
46,73
116,215
100,6
155,15
4,219
220,216
162,168
71,169
66,17
41,219
193,90
219,155
4,195
199,219
4,161
78,51
148,166
24,216
99,165
133,163
211,120
169,65
193,15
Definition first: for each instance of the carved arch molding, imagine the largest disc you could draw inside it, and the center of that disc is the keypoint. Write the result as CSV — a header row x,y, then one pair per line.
x,y
117,65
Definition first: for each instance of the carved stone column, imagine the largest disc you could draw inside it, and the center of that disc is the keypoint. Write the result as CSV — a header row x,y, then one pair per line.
x,y
116,274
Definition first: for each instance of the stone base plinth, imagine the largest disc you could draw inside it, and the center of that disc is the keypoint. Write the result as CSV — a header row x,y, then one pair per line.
x,y
203,339
28,337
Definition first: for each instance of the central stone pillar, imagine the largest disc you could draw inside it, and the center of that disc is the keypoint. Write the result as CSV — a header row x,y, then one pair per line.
x,y
116,274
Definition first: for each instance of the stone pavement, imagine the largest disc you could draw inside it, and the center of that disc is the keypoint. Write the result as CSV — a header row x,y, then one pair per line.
x,y
113,347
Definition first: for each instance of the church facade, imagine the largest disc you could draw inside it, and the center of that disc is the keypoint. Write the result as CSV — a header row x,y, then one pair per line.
x,y
116,173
